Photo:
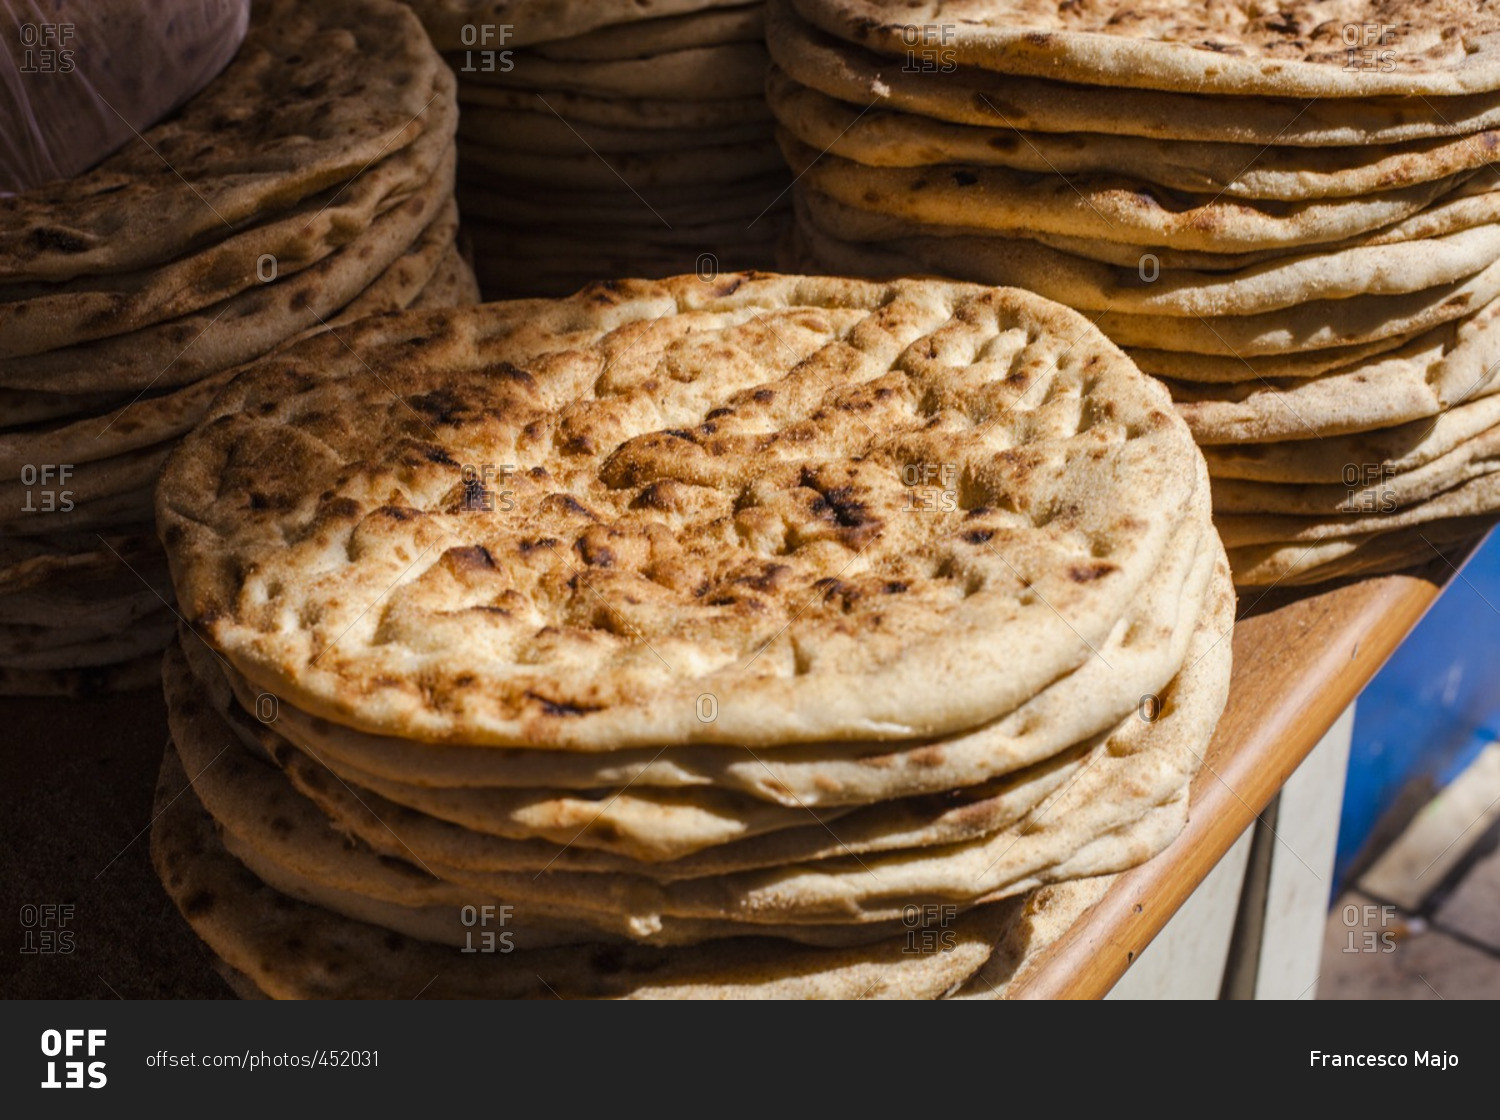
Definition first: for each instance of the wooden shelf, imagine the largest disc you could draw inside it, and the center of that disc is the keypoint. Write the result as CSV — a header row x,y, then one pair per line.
x,y
1300,659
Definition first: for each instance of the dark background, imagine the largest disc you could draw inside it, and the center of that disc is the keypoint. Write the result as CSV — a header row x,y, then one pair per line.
x,y
76,784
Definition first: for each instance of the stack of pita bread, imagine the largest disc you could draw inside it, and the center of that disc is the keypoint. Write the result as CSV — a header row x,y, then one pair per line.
x,y
1288,214
611,139
309,184
770,635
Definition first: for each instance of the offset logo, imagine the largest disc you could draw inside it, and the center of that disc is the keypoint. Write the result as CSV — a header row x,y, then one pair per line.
x,y
44,928
486,60
46,50
45,485
484,917
74,1046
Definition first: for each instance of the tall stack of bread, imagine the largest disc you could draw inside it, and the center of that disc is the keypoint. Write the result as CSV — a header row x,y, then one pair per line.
x,y
1286,213
612,139
309,184
753,636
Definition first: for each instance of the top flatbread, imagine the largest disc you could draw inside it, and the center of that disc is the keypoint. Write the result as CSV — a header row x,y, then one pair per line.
x,y
1302,48
968,95
698,525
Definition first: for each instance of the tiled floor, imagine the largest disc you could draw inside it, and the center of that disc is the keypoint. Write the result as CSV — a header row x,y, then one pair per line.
x,y
1424,921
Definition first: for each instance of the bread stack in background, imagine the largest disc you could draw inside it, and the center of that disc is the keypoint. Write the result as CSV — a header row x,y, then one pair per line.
x,y
1290,218
309,184
761,636
612,139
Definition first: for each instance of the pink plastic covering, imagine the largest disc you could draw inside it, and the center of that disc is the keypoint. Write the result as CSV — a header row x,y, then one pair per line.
x,y
78,78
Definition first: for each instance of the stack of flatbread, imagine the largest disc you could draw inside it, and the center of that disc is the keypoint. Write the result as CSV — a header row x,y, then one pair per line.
x,y
612,139
309,184
1286,213
767,635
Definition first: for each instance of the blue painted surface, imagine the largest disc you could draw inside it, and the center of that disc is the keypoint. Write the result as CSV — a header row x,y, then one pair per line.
x,y
1434,706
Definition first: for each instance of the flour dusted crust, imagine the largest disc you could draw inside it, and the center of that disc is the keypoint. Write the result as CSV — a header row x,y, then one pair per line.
x,y
1302,49
706,500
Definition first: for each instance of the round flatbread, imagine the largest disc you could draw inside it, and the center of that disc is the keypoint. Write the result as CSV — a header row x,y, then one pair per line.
x,y
1310,48
969,95
669,557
